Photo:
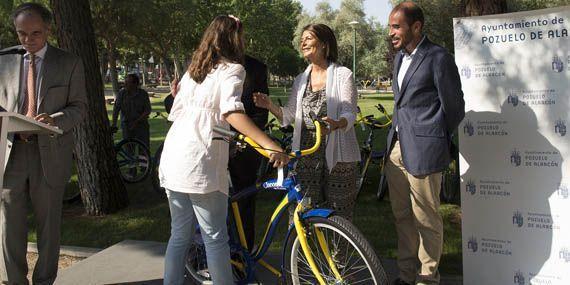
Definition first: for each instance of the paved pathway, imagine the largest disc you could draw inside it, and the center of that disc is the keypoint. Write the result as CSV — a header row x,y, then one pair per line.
x,y
142,262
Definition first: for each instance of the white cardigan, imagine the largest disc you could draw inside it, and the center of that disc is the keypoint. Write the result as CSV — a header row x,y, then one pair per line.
x,y
342,145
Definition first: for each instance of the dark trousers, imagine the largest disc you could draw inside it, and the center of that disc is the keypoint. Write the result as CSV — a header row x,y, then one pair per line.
x,y
243,168
24,182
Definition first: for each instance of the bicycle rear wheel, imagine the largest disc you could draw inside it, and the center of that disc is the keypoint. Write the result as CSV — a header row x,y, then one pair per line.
x,y
197,265
351,253
134,160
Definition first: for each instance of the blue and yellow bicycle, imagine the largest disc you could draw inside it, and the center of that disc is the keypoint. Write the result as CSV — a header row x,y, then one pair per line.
x,y
320,247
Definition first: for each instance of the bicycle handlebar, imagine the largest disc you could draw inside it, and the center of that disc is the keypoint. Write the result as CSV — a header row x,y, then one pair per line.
x,y
240,137
382,109
270,125
369,120
159,114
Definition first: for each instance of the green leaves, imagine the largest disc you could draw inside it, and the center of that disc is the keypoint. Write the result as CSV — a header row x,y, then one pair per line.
x,y
370,36
171,29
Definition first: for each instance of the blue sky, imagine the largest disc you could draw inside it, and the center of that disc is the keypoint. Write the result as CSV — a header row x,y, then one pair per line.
x,y
373,8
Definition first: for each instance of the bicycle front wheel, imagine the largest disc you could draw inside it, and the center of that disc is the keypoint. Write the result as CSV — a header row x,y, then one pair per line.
x,y
382,187
134,160
383,184
349,251
365,160
155,179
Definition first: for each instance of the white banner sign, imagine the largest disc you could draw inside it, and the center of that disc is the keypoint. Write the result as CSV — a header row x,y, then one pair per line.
x,y
515,147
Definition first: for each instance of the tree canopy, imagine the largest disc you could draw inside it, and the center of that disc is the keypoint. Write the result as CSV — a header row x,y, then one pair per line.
x,y
169,30
371,36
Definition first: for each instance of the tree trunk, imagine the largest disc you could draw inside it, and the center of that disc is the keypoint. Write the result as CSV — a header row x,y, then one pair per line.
x,y
483,7
179,68
167,68
390,55
160,73
102,189
113,69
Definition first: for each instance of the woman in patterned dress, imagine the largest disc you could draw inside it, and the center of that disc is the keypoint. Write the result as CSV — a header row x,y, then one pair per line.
x,y
328,176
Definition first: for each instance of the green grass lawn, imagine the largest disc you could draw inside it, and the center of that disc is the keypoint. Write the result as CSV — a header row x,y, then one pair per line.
x,y
147,217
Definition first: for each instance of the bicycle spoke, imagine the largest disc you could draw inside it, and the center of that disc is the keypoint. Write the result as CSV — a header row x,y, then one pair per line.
x,y
306,269
353,269
320,255
364,281
325,267
362,267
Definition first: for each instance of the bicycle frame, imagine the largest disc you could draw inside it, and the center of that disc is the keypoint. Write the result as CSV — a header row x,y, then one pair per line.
x,y
367,146
368,122
301,212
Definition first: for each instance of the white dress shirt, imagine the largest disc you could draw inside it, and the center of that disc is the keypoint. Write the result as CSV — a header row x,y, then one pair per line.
x,y
406,61
191,161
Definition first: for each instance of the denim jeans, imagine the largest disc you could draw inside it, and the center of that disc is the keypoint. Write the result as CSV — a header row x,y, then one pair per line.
x,y
210,210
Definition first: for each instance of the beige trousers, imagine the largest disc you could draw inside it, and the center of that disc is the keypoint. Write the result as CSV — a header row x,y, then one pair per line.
x,y
415,203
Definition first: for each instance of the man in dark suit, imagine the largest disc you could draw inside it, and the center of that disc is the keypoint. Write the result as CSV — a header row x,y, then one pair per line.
x,y
243,165
46,84
428,108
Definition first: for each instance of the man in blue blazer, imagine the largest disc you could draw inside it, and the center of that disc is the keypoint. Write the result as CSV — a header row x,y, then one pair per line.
x,y
428,108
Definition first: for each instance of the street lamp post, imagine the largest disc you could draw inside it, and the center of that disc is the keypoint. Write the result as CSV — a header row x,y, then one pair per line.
x,y
353,25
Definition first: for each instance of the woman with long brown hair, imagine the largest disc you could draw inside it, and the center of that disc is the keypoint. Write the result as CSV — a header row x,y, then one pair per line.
x,y
193,167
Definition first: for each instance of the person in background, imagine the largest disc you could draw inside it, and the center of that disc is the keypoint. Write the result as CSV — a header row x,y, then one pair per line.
x,y
428,107
327,89
243,165
193,167
48,85
133,103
